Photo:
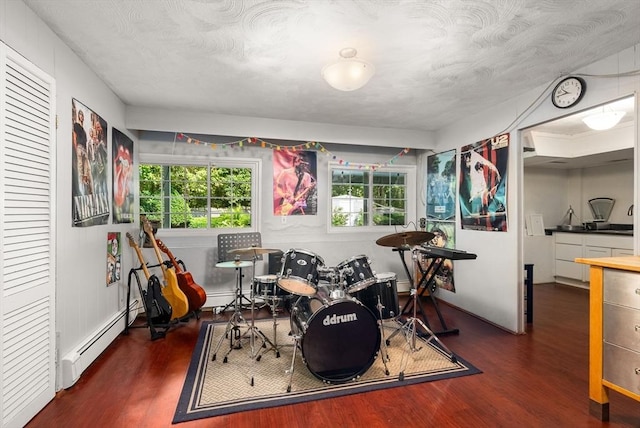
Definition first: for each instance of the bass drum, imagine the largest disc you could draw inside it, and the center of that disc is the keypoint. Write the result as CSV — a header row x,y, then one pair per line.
x,y
340,338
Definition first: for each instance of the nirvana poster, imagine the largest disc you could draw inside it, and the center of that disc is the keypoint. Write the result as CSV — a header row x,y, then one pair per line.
x,y
122,159
294,183
483,184
90,201
441,186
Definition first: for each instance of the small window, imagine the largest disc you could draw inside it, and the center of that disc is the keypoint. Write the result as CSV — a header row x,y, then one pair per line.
x,y
371,198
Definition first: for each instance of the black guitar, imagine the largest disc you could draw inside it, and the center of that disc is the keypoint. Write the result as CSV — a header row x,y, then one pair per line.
x,y
157,307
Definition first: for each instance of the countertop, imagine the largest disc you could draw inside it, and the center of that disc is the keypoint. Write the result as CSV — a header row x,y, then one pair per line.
x,y
616,229
630,263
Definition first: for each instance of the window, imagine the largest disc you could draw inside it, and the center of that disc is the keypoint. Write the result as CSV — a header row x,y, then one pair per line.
x,y
199,196
371,198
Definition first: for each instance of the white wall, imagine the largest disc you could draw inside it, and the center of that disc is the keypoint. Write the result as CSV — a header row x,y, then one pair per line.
x,y
198,249
498,295
84,302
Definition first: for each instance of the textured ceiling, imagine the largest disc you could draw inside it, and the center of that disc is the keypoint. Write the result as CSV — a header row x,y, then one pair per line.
x,y
436,61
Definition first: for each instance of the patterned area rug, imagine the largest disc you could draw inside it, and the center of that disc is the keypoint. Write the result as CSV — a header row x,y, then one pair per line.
x,y
333,365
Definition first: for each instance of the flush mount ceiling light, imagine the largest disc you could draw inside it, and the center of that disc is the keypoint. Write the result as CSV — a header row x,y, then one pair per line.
x,y
348,73
603,120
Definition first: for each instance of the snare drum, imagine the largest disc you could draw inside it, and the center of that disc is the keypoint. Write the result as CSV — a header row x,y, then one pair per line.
x,y
340,338
265,286
299,273
385,292
357,273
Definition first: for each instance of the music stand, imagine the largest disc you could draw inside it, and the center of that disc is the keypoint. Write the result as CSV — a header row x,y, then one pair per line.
x,y
232,241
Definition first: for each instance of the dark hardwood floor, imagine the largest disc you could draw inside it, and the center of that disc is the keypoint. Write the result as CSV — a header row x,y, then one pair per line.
x,y
539,379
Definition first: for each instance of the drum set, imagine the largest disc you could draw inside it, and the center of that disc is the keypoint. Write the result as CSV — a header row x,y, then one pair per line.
x,y
337,313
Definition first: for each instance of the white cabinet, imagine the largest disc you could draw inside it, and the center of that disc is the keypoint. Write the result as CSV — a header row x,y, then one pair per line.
x,y
570,246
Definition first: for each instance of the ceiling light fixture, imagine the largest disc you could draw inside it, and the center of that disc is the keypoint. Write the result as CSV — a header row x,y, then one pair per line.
x,y
603,120
348,73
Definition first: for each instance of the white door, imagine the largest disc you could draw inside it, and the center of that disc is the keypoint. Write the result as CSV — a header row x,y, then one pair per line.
x,y
27,238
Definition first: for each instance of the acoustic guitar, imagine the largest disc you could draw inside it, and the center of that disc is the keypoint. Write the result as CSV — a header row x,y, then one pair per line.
x,y
171,290
157,307
194,292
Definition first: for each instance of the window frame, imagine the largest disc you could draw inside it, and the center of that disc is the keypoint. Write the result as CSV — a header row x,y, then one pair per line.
x,y
411,198
254,164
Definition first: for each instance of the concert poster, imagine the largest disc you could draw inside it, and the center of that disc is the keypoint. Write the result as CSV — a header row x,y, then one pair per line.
x,y
295,183
444,232
441,186
114,257
90,199
483,184
123,191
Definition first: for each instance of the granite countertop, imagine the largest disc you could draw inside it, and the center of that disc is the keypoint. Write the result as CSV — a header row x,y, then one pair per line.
x,y
616,229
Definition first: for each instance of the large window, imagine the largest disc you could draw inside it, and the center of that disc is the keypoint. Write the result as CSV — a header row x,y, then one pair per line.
x,y
198,196
370,198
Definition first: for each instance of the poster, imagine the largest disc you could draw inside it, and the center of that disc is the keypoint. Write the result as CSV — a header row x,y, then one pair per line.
x,y
444,232
483,184
441,186
114,257
294,183
90,201
122,159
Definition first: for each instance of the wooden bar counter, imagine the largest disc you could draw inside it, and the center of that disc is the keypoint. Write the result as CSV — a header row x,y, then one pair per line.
x,y
614,330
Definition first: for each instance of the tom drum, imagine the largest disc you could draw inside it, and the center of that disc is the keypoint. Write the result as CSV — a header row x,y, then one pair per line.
x,y
383,292
357,273
299,273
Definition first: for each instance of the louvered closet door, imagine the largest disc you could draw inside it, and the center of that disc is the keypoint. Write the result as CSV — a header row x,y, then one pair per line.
x,y
27,270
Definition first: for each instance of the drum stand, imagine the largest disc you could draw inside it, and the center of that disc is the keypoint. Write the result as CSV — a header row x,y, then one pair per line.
x,y
409,328
384,352
273,346
232,329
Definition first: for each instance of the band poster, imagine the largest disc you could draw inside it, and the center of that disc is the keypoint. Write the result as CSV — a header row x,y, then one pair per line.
x,y
444,237
114,257
122,157
294,183
90,200
441,186
483,184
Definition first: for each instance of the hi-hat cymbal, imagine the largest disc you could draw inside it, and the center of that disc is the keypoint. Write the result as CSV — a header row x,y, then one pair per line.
x,y
404,239
252,251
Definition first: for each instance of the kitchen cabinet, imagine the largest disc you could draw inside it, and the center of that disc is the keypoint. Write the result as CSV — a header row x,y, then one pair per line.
x,y
614,342
570,246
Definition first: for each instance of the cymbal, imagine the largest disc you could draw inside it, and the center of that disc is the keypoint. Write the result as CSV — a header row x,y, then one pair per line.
x,y
405,238
252,251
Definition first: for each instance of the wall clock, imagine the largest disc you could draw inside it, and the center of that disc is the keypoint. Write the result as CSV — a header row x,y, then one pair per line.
x,y
568,92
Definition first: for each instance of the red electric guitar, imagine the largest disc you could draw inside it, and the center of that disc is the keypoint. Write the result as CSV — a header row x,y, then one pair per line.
x,y
195,293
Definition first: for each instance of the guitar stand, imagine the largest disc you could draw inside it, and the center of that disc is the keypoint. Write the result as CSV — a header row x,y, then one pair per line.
x,y
157,331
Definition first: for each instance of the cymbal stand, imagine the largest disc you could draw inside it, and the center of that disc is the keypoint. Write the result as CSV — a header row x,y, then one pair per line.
x,y
232,329
409,328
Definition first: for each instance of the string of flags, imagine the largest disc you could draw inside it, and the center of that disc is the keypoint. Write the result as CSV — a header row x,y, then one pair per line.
x,y
308,145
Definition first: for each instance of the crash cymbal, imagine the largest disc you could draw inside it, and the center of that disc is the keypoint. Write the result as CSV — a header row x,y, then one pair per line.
x,y
404,239
252,251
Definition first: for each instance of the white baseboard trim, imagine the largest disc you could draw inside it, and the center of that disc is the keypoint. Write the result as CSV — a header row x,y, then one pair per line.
x,y
74,363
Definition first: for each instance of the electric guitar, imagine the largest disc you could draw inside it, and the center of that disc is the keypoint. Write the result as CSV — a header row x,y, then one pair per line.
x,y
299,201
171,290
195,293
157,307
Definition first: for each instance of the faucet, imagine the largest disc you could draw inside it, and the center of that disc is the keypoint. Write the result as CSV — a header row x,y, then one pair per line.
x,y
630,211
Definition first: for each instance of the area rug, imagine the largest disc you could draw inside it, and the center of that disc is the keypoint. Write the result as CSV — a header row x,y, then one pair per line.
x,y
236,380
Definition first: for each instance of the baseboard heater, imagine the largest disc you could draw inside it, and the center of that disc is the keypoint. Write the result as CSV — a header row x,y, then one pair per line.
x,y
75,362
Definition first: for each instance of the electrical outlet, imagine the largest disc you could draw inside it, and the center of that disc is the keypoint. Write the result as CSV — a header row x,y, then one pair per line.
x,y
284,219
423,223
